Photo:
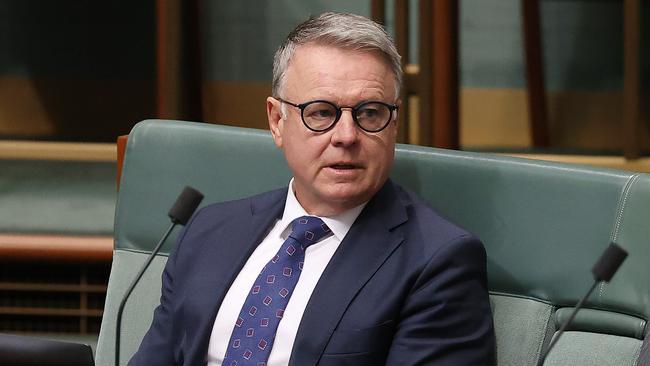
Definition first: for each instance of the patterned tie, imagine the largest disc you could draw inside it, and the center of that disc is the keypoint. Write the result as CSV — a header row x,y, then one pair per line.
x,y
254,332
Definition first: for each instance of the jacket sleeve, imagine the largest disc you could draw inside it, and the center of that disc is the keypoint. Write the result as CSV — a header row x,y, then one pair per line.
x,y
446,318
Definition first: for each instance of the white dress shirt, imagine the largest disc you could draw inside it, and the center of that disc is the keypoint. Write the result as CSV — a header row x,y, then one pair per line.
x,y
317,256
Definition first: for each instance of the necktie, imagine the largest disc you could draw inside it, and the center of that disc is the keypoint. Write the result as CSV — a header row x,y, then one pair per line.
x,y
254,332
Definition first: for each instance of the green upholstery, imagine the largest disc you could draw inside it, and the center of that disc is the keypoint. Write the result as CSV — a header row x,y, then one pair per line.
x,y
57,197
589,349
543,225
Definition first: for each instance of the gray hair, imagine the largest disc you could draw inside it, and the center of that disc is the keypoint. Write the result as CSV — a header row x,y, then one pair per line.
x,y
345,31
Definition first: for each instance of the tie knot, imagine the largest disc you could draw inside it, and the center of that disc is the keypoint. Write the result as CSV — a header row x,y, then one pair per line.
x,y
308,230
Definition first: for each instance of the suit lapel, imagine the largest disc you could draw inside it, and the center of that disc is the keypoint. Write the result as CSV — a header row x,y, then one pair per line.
x,y
218,265
368,244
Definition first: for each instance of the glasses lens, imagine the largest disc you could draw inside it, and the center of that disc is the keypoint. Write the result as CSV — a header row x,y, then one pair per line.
x,y
373,116
319,115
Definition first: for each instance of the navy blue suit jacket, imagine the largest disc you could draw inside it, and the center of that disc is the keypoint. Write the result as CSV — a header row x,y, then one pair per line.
x,y
405,287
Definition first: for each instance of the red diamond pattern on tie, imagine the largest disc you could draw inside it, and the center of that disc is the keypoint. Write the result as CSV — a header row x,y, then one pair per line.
x,y
254,332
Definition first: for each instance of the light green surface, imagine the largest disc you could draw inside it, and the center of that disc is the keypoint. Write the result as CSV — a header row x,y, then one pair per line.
x,y
138,311
592,320
590,349
61,197
520,326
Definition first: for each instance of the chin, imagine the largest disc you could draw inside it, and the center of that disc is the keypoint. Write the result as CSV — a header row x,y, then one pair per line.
x,y
348,197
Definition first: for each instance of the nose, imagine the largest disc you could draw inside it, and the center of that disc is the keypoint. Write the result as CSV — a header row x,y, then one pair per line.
x,y
345,131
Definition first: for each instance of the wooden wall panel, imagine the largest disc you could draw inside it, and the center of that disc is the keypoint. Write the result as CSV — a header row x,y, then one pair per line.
x,y
72,109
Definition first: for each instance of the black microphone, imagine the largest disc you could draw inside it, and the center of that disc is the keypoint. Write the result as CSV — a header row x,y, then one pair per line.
x,y
603,270
180,213
185,205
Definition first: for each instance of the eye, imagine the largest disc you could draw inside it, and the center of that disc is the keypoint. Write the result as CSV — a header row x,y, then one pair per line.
x,y
368,112
320,111
372,111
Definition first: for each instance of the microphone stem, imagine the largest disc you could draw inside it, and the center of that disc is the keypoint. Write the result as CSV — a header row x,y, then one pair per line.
x,y
120,310
566,323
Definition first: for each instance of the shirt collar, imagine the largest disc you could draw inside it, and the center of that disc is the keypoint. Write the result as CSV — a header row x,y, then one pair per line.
x,y
339,224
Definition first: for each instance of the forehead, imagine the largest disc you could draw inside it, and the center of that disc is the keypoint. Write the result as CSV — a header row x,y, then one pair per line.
x,y
327,72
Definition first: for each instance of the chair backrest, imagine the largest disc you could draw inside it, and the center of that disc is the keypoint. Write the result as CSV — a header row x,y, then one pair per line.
x,y
543,225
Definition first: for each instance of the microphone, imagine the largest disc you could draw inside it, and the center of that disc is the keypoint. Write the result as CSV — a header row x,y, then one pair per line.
x,y
603,270
180,213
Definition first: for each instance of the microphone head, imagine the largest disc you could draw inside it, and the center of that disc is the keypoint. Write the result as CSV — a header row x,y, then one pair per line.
x,y
608,263
185,205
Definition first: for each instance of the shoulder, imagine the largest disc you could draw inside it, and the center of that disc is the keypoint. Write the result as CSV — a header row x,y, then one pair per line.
x,y
434,245
244,206
429,228
211,219
445,275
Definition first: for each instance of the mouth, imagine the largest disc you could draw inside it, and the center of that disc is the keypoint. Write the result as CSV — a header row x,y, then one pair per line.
x,y
344,166
344,170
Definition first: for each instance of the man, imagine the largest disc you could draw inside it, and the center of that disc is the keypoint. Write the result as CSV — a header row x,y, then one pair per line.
x,y
390,281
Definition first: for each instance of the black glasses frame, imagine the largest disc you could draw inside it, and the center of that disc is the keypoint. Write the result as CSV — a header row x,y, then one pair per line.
x,y
339,112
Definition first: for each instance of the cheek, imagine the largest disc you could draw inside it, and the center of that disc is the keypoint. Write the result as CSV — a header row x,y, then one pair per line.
x,y
382,159
302,156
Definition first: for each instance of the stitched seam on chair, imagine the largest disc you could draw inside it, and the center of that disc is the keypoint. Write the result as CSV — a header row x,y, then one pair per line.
x,y
622,203
621,206
540,344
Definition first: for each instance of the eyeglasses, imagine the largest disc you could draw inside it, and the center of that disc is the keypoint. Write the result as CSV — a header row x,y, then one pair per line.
x,y
321,115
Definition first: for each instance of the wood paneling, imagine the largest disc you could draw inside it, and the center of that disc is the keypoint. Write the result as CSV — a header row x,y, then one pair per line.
x,y
578,120
56,247
72,109
631,78
68,151
535,73
236,103
612,162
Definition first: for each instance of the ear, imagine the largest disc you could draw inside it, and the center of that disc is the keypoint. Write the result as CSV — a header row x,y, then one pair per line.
x,y
395,122
276,120
398,103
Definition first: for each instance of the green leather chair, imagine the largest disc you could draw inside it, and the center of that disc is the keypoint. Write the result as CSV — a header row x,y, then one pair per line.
x,y
543,224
